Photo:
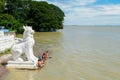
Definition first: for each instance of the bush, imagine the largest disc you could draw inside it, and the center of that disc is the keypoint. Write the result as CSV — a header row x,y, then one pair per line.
x,y
10,23
7,51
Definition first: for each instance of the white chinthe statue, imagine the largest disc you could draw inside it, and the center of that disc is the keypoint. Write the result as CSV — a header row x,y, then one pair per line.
x,y
25,47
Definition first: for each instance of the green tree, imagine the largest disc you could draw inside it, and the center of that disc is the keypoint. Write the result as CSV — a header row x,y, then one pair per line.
x,y
40,15
2,3
10,23
18,8
45,16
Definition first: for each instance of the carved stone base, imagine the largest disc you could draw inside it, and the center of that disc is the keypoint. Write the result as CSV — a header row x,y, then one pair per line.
x,y
21,65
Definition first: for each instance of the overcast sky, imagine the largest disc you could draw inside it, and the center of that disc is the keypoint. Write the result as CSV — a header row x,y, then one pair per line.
x,y
89,12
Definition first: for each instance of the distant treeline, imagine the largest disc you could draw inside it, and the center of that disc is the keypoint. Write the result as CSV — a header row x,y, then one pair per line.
x,y
40,15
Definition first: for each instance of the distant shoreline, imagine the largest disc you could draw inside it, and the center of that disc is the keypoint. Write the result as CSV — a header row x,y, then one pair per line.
x,y
94,25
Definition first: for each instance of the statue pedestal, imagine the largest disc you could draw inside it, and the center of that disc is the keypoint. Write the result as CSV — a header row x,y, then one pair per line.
x,y
21,65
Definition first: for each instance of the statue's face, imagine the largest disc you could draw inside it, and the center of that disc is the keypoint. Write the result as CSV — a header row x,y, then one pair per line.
x,y
32,31
29,30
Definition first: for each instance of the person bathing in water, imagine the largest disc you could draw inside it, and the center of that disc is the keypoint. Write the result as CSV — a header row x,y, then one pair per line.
x,y
45,55
43,58
40,62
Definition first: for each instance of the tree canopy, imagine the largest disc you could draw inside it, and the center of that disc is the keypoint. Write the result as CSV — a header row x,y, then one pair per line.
x,y
40,15
2,6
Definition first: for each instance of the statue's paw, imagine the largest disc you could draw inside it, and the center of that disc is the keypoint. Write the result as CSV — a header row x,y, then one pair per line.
x,y
19,59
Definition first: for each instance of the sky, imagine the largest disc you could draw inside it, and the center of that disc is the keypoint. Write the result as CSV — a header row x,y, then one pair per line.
x,y
89,12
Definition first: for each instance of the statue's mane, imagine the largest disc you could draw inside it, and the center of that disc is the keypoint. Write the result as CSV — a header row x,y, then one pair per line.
x,y
28,32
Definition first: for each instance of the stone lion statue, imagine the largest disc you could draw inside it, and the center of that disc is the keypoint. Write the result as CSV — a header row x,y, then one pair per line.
x,y
25,47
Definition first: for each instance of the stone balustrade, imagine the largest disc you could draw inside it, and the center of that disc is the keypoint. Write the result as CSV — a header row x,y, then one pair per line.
x,y
6,42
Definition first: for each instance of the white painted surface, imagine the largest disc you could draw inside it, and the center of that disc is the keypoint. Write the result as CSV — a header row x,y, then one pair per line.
x,y
1,33
21,65
6,42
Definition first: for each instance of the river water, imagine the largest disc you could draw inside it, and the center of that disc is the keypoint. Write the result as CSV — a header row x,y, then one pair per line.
x,y
78,53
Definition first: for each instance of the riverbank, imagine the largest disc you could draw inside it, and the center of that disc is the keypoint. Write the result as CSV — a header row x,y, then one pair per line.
x,y
3,72
3,59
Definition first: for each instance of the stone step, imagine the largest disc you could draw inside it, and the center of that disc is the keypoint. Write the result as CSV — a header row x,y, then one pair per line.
x,y
21,65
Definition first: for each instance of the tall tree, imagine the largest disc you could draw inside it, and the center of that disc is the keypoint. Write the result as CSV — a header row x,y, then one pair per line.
x,y
18,8
45,16
40,15
9,22
2,3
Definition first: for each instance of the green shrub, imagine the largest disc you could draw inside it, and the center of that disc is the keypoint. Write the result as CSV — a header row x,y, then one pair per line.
x,y
7,51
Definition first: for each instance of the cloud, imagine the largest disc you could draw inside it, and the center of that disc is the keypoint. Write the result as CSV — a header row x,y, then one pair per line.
x,y
95,10
86,12
100,14
71,2
110,9
81,2
40,0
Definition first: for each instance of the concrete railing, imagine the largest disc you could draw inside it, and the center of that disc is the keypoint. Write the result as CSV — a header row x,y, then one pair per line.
x,y
1,33
6,42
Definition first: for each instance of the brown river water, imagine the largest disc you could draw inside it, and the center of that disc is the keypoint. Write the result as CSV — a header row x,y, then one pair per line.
x,y
78,53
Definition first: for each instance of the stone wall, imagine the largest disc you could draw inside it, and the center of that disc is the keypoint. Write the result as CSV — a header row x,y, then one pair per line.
x,y
6,42
1,33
